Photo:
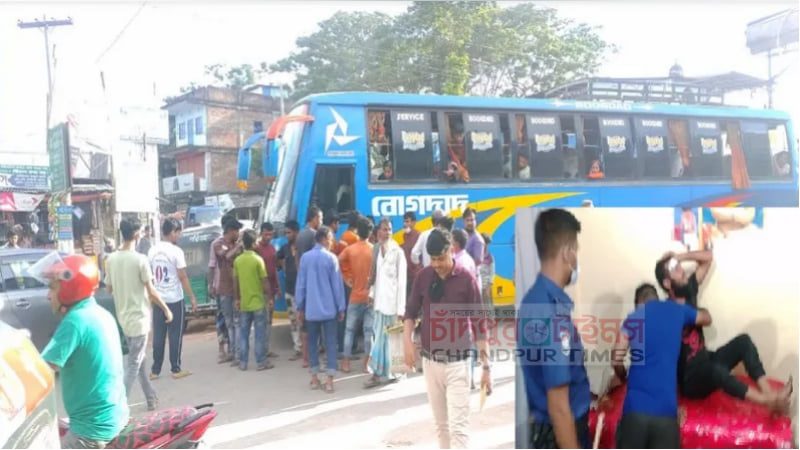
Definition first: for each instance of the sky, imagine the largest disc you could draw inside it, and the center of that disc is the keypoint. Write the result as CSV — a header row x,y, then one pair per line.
x,y
148,50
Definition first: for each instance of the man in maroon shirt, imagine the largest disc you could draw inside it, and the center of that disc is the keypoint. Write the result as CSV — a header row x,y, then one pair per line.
x,y
446,345
270,256
410,237
226,248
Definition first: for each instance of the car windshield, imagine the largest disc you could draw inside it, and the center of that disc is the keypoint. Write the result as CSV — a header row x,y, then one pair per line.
x,y
203,216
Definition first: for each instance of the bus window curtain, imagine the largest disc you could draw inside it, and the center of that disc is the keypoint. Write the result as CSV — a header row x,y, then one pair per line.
x,y
679,131
739,175
521,138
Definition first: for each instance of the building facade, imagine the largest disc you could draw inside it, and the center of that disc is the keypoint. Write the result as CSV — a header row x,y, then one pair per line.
x,y
207,128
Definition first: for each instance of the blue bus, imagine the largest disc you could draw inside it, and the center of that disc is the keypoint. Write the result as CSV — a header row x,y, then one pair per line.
x,y
386,154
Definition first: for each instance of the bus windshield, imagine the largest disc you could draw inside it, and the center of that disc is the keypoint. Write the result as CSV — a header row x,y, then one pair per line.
x,y
280,196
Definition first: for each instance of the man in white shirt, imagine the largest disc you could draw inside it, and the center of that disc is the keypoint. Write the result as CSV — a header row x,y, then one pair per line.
x,y
419,255
388,294
130,282
168,263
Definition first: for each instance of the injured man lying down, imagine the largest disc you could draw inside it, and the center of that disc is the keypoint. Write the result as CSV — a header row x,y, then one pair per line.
x,y
702,371
715,409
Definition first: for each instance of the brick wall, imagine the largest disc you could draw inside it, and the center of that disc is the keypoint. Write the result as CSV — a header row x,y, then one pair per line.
x,y
191,163
229,128
222,179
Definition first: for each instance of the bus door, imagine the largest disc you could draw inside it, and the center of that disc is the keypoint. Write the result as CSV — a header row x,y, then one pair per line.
x,y
334,188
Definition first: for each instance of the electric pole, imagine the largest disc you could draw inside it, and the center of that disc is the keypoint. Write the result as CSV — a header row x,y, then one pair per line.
x,y
46,25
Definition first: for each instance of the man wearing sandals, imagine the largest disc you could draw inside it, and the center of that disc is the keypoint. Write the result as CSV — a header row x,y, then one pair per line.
x,y
388,295
320,303
356,264
225,250
251,290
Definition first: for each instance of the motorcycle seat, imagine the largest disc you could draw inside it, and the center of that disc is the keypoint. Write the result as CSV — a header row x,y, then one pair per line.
x,y
142,430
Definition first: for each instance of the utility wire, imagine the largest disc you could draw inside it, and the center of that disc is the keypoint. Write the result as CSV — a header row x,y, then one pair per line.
x,y
122,31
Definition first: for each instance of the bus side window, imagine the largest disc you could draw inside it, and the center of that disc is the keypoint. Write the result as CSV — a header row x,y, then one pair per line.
x,y
483,138
618,151
436,145
759,152
569,146
505,131
680,143
592,150
456,148
413,150
779,150
522,166
706,150
654,151
381,160
543,149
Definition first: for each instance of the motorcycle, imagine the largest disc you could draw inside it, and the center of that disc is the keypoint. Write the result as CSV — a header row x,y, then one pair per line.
x,y
181,427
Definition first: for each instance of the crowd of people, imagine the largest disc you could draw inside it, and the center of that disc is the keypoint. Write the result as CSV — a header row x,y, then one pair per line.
x,y
667,335
341,294
346,294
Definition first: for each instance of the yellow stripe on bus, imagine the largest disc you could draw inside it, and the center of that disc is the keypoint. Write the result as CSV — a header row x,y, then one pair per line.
x,y
506,208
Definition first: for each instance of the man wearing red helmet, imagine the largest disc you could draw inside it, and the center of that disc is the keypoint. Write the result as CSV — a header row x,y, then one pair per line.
x,y
86,350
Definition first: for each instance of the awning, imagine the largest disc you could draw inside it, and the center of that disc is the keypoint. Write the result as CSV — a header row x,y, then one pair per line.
x,y
91,192
19,202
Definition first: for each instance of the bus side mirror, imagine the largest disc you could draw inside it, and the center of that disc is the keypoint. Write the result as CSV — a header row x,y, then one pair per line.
x,y
270,159
243,168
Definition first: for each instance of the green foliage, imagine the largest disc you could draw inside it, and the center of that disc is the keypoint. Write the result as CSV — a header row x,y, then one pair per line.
x,y
444,48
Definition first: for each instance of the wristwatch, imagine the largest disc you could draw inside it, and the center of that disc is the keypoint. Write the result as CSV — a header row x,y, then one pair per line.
x,y
487,367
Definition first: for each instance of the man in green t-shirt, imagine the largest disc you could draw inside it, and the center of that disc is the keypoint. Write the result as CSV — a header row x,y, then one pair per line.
x,y
251,294
86,350
130,281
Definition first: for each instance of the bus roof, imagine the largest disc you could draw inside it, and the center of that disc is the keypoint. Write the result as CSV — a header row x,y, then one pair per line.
x,y
556,105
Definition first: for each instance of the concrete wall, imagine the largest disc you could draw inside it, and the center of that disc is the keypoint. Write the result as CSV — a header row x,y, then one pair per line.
x,y
182,117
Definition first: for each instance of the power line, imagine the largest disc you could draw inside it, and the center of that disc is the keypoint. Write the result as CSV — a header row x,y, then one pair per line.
x,y
122,31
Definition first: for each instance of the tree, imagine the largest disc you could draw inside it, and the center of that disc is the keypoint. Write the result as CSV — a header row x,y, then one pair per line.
x,y
235,77
344,54
446,48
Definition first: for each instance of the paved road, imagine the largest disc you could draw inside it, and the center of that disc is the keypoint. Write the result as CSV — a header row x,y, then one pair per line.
x,y
276,409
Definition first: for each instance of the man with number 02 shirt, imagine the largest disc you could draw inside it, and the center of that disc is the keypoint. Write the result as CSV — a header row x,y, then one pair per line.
x,y
168,263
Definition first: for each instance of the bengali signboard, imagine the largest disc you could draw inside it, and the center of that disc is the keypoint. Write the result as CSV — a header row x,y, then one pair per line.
x,y
57,148
24,177
64,214
19,201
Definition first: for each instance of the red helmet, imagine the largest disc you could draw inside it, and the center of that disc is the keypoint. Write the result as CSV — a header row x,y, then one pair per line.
x,y
78,276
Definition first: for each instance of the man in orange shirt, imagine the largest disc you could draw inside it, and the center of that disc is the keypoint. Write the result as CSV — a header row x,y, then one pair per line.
x,y
350,236
356,263
331,220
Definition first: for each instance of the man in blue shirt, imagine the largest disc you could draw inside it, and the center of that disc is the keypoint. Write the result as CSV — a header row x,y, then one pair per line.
x,y
652,332
551,351
320,303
